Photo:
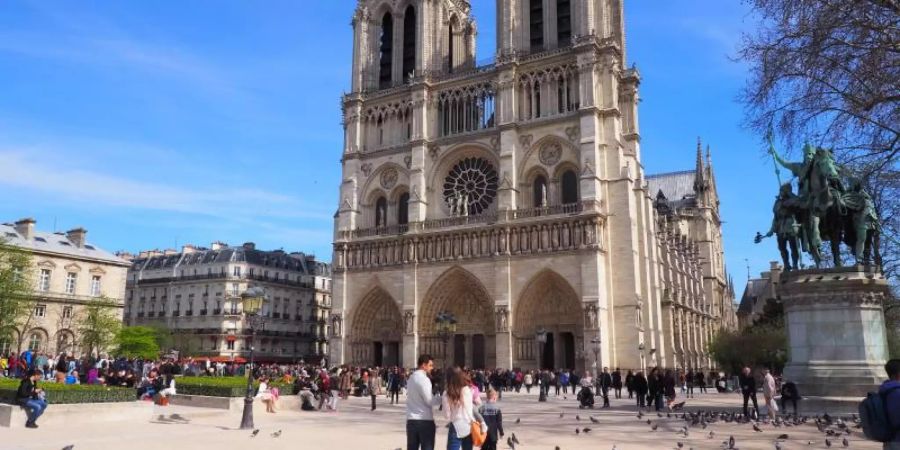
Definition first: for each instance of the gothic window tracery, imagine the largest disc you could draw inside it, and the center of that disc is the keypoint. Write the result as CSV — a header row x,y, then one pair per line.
x,y
385,75
466,109
475,182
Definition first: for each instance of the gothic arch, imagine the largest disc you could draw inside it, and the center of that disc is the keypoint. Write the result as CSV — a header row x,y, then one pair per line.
x,y
36,339
550,303
376,328
65,341
532,158
462,294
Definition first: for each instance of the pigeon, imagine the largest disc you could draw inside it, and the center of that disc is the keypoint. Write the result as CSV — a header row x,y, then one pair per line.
x,y
827,443
782,437
561,415
577,431
778,445
594,420
649,421
514,438
518,420
510,443
711,435
586,430
254,433
276,434
69,447
177,416
654,427
577,417
846,443
680,444
756,428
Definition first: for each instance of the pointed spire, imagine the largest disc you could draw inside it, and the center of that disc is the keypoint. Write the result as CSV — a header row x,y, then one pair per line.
x,y
699,170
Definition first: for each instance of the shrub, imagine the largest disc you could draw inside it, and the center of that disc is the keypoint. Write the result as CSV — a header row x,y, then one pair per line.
x,y
221,386
70,393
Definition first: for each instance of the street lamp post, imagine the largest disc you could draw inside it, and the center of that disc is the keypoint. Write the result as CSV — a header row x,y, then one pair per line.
x,y
252,300
446,327
541,336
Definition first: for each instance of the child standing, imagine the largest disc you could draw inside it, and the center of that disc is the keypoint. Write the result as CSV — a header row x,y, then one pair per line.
x,y
494,419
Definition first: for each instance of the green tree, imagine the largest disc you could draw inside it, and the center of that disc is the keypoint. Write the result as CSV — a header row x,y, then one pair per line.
x,y
137,342
98,325
16,300
763,344
162,336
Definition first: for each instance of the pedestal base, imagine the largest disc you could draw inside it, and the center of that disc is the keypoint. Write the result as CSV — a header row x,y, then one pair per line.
x,y
836,332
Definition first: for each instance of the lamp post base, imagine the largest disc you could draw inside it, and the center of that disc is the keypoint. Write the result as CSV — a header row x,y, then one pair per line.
x,y
247,415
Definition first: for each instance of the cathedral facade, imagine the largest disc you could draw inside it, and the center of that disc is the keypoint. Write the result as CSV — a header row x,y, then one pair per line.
x,y
511,196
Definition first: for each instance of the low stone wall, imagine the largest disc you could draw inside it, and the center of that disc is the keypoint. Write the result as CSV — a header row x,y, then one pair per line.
x,y
285,402
13,416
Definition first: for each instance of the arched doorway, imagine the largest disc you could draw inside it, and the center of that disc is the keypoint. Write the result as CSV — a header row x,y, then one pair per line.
x,y
549,303
376,331
473,345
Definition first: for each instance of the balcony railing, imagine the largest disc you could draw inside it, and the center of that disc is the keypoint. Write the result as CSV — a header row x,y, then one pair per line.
x,y
393,229
568,208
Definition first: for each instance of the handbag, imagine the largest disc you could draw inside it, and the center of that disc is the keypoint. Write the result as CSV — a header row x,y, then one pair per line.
x,y
478,436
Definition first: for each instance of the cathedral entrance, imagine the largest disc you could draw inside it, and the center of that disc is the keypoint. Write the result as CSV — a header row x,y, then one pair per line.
x,y
376,331
550,304
461,294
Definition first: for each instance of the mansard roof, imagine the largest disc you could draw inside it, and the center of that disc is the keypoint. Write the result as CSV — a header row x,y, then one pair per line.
x,y
297,262
755,288
57,243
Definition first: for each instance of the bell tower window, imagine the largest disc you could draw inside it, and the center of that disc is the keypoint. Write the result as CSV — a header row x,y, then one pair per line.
x,y
409,43
563,23
385,75
536,24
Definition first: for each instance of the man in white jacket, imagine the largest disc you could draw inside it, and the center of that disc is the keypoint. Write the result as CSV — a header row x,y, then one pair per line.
x,y
769,390
420,403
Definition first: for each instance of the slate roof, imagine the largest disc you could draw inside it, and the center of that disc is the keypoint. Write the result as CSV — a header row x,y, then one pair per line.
x,y
752,291
678,187
57,243
297,262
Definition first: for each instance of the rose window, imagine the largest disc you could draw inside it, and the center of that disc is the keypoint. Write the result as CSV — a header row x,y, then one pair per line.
x,y
475,177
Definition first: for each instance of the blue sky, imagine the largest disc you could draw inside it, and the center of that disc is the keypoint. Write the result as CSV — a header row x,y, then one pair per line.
x,y
156,123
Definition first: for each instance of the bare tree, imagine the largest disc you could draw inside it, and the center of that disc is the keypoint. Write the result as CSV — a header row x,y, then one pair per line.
x,y
828,71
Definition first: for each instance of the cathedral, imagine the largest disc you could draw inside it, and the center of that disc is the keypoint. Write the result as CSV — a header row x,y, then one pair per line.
x,y
510,197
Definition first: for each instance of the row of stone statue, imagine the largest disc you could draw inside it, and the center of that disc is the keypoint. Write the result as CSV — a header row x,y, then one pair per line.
x,y
825,208
459,204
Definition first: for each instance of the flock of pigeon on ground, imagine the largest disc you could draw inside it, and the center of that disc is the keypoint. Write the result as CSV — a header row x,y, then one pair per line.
x,y
836,431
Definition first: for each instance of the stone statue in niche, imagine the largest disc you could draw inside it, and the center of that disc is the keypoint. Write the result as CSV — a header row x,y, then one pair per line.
x,y
544,203
465,204
590,316
502,319
409,322
452,202
336,322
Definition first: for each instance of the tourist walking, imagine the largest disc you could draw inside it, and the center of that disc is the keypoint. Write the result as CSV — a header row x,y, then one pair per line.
x,y
373,385
528,379
669,388
689,381
769,391
629,383
617,382
460,411
420,405
493,417
30,397
394,383
748,389
605,382
639,385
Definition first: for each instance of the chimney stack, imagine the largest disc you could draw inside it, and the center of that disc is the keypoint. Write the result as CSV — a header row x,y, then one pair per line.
x,y
76,236
25,227
188,249
218,245
249,246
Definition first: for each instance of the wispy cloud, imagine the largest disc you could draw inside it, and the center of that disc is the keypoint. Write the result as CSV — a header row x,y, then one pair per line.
x,y
30,170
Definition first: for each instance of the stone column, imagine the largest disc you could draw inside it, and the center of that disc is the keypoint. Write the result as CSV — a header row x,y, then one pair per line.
x,y
836,330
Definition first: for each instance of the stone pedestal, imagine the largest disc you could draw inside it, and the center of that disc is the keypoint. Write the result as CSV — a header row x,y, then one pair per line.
x,y
836,331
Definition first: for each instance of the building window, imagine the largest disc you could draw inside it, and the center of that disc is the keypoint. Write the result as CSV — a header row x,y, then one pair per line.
x,y
409,42
539,192
569,188
230,345
403,209
237,271
563,23
44,284
95,286
386,60
234,289
67,312
35,342
40,310
536,22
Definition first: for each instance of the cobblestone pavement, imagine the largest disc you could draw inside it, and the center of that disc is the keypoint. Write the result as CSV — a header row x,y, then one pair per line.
x,y
537,426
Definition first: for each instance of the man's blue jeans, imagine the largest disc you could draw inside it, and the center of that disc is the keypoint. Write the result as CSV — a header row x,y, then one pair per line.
x,y
34,408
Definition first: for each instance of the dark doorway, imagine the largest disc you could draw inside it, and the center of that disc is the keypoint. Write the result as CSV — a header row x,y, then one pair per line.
x,y
379,353
549,354
478,352
392,354
459,350
568,344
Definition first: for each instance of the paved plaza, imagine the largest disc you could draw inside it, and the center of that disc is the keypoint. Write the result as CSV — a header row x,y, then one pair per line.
x,y
540,427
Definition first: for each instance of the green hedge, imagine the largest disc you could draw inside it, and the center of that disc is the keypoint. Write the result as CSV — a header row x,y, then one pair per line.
x,y
69,393
221,386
